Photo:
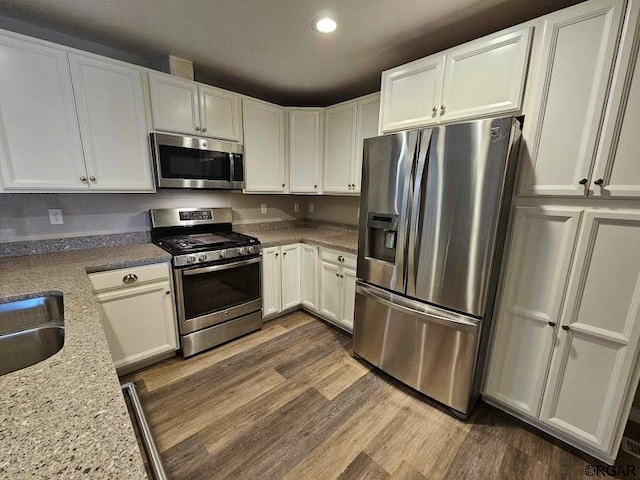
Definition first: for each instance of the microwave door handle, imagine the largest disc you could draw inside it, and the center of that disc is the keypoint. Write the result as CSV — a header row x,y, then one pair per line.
x,y
414,221
219,268
232,175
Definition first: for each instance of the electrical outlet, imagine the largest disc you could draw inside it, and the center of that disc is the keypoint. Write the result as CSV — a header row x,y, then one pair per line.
x,y
55,216
310,207
296,207
263,208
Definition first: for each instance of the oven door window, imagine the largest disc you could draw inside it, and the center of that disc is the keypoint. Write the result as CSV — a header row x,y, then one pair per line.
x,y
209,292
191,163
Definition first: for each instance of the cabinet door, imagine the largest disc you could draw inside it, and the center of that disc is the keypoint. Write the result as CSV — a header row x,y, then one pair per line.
x,y
411,94
263,146
40,146
290,276
271,281
348,281
617,169
305,149
139,322
537,271
561,133
174,104
330,287
594,359
113,124
486,77
339,147
220,113
368,116
309,276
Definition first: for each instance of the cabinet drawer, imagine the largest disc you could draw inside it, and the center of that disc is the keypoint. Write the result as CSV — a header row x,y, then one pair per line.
x,y
126,277
339,258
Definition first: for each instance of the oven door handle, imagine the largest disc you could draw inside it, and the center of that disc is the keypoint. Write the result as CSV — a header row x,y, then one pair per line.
x,y
218,268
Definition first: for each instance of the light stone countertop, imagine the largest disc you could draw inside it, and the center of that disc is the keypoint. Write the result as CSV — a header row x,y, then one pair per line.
x,y
340,238
66,417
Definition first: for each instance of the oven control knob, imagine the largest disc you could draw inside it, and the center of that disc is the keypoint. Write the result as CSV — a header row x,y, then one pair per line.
x,y
191,259
223,254
251,249
242,251
202,257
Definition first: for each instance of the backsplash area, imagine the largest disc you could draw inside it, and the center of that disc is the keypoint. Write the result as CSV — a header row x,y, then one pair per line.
x,y
25,217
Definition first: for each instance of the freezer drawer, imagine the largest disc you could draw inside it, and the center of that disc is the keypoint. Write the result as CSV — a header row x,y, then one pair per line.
x,y
429,349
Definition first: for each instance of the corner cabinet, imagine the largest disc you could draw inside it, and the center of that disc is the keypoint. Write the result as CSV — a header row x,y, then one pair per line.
x,y
111,110
568,95
137,314
306,135
567,362
264,147
479,78
183,106
40,147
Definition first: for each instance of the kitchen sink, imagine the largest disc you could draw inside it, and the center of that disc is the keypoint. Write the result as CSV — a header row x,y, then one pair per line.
x,y
31,330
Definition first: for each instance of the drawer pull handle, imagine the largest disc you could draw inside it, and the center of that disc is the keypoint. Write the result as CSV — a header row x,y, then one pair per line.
x,y
565,327
130,278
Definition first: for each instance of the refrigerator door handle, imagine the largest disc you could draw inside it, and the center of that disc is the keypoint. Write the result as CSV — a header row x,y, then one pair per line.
x,y
428,313
414,220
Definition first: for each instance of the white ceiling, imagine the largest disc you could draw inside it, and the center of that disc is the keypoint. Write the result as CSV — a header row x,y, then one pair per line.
x,y
267,48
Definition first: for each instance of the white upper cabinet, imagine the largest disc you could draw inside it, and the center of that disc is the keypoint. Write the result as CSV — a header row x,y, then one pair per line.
x,y
568,97
174,104
367,120
264,151
111,110
537,272
591,380
220,113
617,169
486,77
476,79
40,147
411,94
183,106
306,128
339,147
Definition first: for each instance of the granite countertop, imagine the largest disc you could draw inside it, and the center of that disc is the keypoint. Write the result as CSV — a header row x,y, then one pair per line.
x,y
344,238
66,416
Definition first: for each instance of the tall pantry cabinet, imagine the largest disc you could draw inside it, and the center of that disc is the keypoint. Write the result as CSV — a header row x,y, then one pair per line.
x,y
566,333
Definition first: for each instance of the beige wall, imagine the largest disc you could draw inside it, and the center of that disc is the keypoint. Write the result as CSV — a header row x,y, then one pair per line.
x,y
334,209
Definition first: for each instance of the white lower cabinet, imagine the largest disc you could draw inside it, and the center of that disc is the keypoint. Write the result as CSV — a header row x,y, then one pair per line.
x,y
309,276
567,361
137,314
338,287
280,279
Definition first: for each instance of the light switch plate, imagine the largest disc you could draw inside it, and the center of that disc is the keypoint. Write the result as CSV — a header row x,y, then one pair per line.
x,y
55,216
263,208
310,207
296,207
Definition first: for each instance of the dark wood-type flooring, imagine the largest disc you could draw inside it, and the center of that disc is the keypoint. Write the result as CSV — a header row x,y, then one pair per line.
x,y
291,402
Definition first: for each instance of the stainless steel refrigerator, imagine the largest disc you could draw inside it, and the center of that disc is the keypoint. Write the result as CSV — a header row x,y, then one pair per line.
x,y
434,210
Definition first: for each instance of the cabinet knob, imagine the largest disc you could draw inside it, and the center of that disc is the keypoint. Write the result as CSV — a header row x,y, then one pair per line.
x,y
552,324
340,258
130,278
196,128
283,185
204,129
583,181
337,274
442,109
598,181
565,327
277,254
168,292
92,178
83,178
284,254
434,110
315,186
341,276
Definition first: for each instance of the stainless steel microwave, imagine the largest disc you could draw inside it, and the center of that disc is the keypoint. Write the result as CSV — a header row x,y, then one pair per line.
x,y
195,162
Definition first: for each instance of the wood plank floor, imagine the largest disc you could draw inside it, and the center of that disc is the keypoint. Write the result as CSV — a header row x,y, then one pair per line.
x,y
291,402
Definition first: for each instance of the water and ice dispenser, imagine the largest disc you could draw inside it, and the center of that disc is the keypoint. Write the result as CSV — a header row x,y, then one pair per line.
x,y
382,236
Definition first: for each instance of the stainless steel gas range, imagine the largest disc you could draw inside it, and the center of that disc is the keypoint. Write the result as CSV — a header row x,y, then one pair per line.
x,y
217,275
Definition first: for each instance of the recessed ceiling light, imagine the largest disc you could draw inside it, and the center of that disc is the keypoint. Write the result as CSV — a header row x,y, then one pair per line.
x,y
325,25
